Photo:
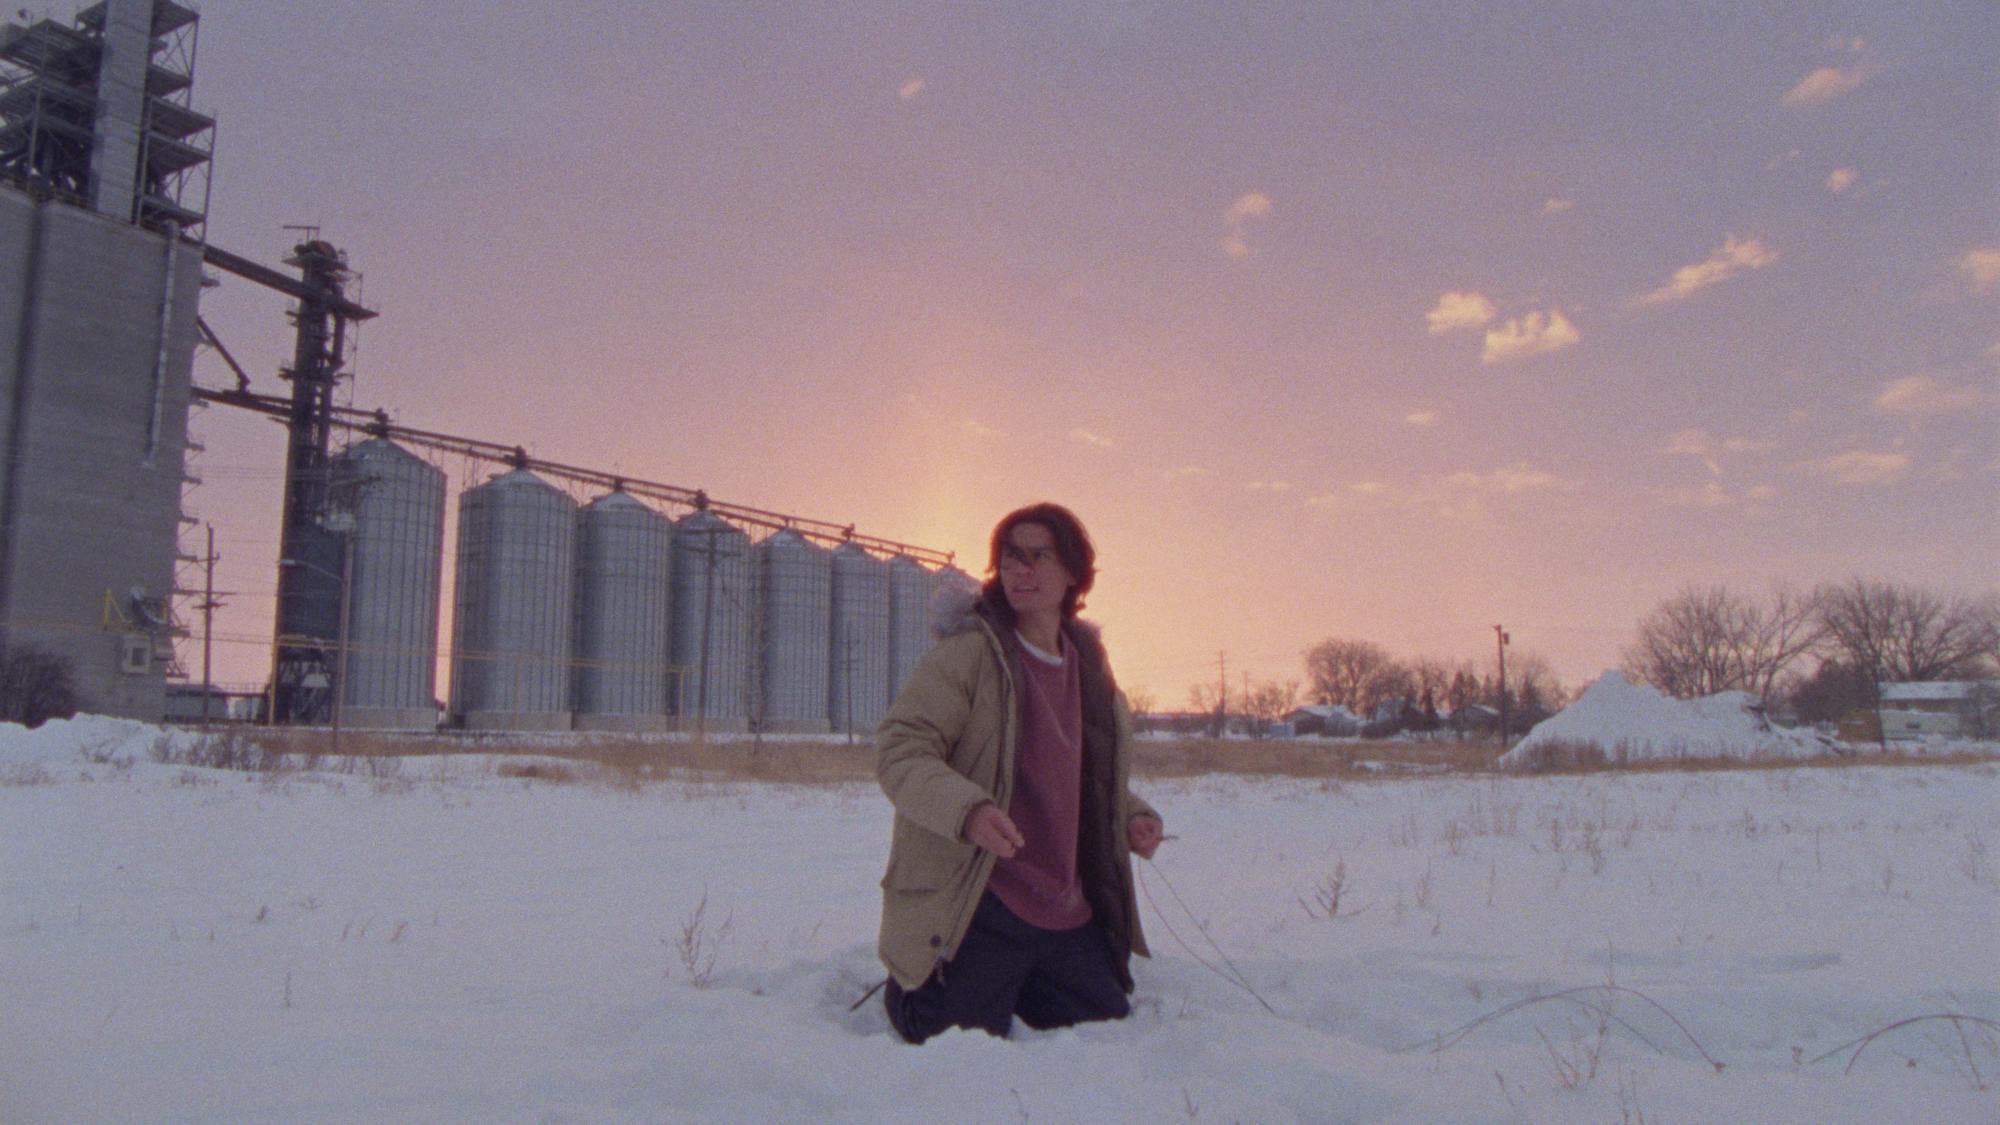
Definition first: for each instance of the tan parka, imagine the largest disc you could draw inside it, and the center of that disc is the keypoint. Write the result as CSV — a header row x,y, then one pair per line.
x,y
947,744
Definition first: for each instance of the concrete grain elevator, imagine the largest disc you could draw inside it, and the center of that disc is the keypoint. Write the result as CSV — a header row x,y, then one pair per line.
x,y
102,173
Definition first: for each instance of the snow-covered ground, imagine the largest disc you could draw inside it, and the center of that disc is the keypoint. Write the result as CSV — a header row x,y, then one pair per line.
x,y
443,943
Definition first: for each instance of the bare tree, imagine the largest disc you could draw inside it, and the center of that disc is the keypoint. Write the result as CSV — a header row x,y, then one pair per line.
x,y
1207,699
1355,674
1267,701
1707,639
1774,636
1686,645
1989,628
1898,632
1204,698
1833,690
1462,690
1430,676
1140,700
1532,680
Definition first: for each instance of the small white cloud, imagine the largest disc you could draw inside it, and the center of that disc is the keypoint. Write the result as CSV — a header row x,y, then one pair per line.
x,y
1517,477
1840,179
1273,486
1825,84
911,88
1854,45
1713,495
1533,334
979,429
1688,443
1733,257
1249,205
1981,267
1928,394
1421,417
1556,206
1094,440
1700,446
1695,444
1455,311
1187,472
1859,466
1366,495
1455,496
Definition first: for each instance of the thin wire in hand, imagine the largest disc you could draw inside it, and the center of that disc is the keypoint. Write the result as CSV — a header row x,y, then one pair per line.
x,y
1237,978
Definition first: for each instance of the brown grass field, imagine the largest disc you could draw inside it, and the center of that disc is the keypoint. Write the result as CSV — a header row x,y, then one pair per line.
x,y
630,760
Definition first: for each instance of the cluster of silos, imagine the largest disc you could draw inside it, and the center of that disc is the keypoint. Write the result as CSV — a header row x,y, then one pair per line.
x,y
609,616
858,689
712,604
795,591
513,614
623,561
389,673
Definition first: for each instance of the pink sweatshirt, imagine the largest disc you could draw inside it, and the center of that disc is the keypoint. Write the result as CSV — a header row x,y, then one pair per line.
x,y
1040,883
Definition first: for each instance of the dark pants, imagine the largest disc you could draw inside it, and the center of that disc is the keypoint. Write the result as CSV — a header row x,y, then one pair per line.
x,y
1006,967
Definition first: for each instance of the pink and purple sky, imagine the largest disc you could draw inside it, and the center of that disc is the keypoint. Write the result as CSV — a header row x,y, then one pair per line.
x,y
1387,321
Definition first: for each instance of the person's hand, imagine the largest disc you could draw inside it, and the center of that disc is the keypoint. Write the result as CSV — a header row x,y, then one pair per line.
x,y
993,830
1143,832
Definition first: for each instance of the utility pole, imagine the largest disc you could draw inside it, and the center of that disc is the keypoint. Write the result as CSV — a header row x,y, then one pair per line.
x,y
847,675
709,552
208,607
1221,693
346,612
1504,638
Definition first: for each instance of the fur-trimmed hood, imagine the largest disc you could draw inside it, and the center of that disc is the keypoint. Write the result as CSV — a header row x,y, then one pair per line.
x,y
955,610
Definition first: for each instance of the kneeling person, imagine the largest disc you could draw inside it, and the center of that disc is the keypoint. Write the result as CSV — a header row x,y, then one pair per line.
x,y
1006,755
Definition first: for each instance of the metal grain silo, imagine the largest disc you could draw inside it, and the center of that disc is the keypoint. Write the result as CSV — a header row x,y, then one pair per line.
x,y
620,644
392,599
910,585
858,689
795,591
711,622
510,666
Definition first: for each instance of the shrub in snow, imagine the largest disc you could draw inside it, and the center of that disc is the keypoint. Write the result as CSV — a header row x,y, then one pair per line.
x,y
1615,721
35,686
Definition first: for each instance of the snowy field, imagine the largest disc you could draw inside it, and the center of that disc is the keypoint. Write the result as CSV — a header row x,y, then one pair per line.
x,y
438,942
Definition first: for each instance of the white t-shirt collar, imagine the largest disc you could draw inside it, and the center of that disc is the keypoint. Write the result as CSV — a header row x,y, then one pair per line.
x,y
1041,654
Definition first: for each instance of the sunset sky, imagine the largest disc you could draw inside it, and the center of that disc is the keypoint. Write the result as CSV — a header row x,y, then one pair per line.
x,y
1388,321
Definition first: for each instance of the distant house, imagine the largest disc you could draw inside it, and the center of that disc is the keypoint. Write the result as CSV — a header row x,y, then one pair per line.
x,y
1474,718
1943,709
1189,723
1480,719
1324,720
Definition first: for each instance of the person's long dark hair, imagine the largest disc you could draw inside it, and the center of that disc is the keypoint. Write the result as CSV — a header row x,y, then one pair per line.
x,y
1073,547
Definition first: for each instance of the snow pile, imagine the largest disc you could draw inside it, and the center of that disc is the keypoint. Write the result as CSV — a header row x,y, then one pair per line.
x,y
1627,722
86,742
